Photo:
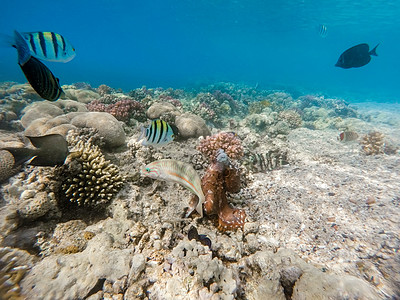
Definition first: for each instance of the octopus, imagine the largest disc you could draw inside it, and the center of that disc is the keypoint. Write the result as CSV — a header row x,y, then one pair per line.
x,y
222,177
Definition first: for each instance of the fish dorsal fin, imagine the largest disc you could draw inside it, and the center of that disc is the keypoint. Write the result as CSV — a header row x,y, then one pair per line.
x,y
49,140
22,48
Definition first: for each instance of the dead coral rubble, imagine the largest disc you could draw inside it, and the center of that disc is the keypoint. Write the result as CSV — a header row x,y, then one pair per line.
x,y
373,143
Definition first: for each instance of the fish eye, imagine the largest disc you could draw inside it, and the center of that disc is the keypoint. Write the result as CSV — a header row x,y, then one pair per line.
x,y
147,169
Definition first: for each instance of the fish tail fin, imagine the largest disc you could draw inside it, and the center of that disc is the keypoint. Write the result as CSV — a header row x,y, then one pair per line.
x,y
21,155
175,130
199,207
373,51
142,133
22,47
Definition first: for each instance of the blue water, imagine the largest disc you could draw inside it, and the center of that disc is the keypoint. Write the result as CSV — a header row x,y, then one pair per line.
x,y
275,44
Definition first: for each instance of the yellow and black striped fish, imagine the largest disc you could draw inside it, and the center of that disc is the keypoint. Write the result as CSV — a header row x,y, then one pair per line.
x,y
39,76
157,134
49,46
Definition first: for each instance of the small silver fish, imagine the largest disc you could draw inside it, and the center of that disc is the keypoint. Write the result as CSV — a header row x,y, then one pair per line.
x,y
322,30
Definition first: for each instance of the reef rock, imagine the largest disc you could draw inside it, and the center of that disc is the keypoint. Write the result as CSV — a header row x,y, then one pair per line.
x,y
83,96
6,165
107,126
37,110
186,271
159,109
73,276
190,125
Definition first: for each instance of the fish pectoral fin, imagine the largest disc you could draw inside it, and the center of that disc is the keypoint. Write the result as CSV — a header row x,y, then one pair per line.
x,y
193,205
29,161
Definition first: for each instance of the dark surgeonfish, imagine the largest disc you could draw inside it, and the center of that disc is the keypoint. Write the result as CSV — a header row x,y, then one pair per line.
x,y
39,76
356,56
50,150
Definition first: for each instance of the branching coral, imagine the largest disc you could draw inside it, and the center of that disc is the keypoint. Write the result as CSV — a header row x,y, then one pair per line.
x,y
373,143
222,177
88,178
227,141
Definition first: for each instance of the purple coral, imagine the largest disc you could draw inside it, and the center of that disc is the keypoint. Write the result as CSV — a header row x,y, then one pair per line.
x,y
122,110
228,141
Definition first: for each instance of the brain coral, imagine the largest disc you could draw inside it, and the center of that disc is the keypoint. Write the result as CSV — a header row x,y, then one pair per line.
x,y
6,165
228,141
88,178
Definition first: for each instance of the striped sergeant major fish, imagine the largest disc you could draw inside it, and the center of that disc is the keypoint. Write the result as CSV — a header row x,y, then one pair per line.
x,y
49,46
38,75
157,134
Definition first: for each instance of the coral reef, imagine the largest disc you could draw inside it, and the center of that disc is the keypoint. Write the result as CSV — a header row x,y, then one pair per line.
x,y
77,94
7,168
87,177
257,107
31,193
227,141
222,177
373,143
190,125
44,118
123,110
291,117
165,110
14,264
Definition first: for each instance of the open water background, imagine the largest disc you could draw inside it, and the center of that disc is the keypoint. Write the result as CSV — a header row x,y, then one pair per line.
x,y
275,44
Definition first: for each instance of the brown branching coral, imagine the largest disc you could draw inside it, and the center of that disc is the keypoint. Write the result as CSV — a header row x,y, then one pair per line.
x,y
222,177
227,141
87,177
373,143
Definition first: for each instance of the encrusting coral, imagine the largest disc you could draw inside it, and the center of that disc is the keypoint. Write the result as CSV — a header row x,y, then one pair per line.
x,y
88,178
373,143
222,177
